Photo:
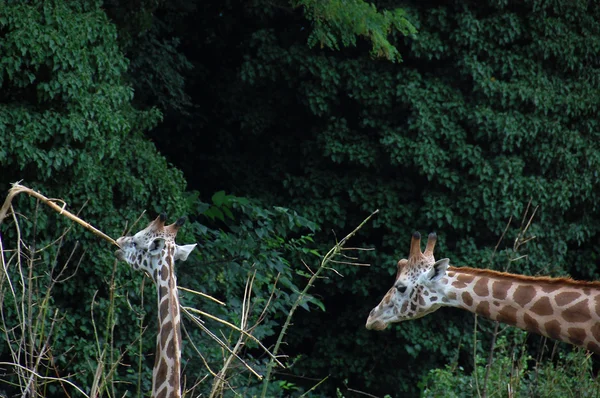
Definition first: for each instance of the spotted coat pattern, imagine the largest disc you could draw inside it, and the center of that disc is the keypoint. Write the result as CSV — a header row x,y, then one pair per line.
x,y
559,308
154,251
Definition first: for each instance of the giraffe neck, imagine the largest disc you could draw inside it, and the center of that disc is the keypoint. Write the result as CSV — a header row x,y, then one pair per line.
x,y
166,381
559,308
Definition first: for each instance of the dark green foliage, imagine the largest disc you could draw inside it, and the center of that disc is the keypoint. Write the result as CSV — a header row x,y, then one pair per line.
x,y
345,21
493,107
252,241
513,372
68,129
157,68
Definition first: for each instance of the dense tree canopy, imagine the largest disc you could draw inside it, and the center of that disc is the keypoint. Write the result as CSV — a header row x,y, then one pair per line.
x,y
459,117
493,107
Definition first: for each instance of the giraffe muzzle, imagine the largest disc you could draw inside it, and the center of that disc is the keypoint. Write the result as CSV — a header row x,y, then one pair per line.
x,y
120,255
375,325
374,321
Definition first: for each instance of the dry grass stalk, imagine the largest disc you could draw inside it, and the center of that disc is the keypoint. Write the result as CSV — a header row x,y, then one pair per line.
x,y
336,250
18,188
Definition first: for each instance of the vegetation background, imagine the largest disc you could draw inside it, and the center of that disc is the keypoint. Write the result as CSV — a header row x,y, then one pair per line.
x,y
272,123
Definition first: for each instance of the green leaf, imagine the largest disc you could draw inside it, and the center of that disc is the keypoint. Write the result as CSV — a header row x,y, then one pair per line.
x,y
218,198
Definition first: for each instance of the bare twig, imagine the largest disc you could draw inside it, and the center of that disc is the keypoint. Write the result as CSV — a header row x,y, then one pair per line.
x,y
307,267
315,386
335,250
201,294
366,394
351,263
217,389
497,324
520,240
263,314
218,340
18,188
61,379
189,310
475,358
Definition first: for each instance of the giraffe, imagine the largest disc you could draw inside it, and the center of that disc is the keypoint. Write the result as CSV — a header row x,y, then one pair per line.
x,y
154,251
560,308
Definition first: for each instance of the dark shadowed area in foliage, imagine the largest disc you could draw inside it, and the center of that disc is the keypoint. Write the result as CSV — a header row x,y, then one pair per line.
x,y
277,126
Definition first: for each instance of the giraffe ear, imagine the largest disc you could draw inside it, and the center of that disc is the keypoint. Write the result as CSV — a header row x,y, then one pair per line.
x,y
438,270
182,252
156,246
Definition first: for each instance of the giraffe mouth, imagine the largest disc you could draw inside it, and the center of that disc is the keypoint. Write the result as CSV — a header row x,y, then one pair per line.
x,y
375,325
120,255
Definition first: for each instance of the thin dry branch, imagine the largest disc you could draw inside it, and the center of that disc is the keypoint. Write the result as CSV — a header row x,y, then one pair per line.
x,y
18,188
335,250
263,314
220,380
201,294
61,379
218,340
351,263
189,310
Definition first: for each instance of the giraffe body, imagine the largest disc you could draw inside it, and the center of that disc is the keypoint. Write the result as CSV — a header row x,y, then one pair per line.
x,y
154,251
559,308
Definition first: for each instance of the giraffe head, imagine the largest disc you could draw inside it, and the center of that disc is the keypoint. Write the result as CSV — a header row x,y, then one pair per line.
x,y
414,293
144,250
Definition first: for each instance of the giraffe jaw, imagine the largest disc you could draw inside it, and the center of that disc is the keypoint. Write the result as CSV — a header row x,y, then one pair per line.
x,y
120,255
376,325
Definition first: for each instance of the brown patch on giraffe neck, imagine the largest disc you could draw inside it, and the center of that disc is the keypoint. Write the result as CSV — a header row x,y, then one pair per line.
x,y
553,329
170,348
162,393
542,307
459,284
531,324
500,288
163,312
163,291
546,288
595,348
164,272
565,298
467,299
596,331
481,287
524,294
161,369
579,312
483,308
465,278
507,314
577,335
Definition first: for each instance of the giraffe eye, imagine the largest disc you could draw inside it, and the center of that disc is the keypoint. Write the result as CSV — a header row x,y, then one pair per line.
x,y
155,245
400,288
